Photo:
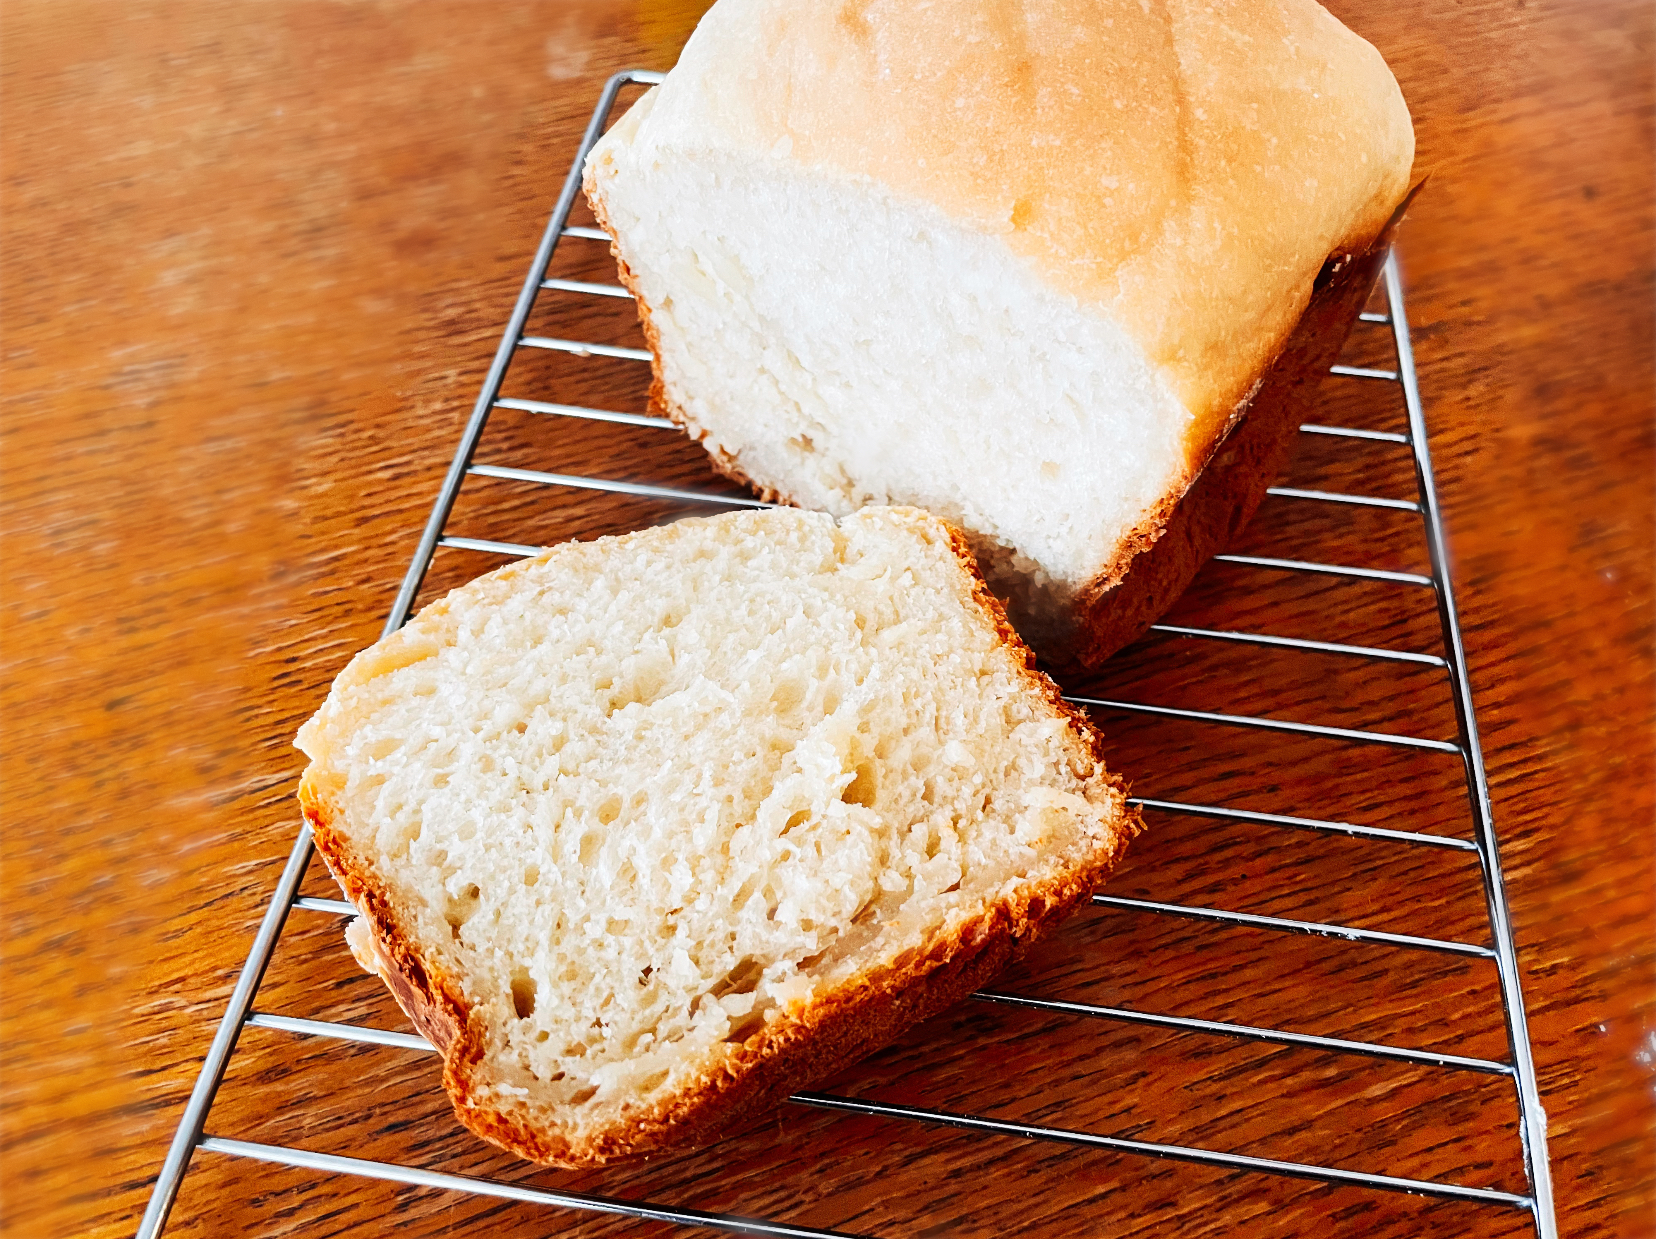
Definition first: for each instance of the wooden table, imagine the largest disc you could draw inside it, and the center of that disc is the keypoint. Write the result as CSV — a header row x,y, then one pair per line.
x,y
256,259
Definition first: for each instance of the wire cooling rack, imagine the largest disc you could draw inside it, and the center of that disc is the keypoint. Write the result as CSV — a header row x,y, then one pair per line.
x,y
1517,1065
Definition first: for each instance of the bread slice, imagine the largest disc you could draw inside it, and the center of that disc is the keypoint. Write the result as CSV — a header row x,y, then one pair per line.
x,y
647,832
1023,264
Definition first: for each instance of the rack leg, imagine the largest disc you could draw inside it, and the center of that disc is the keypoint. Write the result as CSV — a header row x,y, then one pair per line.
x,y
207,1082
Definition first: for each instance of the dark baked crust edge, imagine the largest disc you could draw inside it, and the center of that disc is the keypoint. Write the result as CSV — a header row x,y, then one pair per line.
x,y
792,1052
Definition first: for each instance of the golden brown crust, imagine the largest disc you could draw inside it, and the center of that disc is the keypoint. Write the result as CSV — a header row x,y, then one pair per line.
x,y
788,1054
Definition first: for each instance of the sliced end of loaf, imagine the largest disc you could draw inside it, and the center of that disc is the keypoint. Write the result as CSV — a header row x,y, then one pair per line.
x,y
650,831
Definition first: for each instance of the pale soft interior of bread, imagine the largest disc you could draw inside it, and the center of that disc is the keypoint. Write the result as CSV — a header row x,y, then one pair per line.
x,y
646,795
842,347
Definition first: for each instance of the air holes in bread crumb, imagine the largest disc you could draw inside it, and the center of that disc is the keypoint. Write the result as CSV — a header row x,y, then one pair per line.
x,y
787,695
589,847
630,694
863,786
406,839
799,818
524,990
584,1096
610,809
458,909
380,749
531,874
742,979
649,683
653,1081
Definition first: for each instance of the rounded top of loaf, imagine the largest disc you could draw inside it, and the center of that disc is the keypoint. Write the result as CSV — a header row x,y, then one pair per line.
x,y
1184,166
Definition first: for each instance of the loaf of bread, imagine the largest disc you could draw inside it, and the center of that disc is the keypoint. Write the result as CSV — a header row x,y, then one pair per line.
x,y
647,832
1027,265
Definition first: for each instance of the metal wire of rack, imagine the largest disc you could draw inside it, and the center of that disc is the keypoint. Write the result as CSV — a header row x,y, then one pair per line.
x,y
1518,1065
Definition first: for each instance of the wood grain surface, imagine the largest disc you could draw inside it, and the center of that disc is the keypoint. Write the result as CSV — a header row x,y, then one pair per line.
x,y
255,262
